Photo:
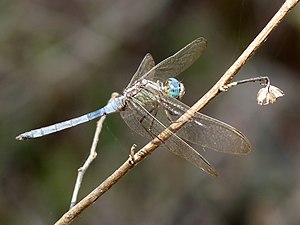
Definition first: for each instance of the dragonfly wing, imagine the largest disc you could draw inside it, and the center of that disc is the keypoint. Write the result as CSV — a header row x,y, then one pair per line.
x,y
207,131
146,65
177,63
139,119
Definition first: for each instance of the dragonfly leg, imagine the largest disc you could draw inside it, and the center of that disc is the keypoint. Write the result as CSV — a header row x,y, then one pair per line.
x,y
153,112
168,114
152,121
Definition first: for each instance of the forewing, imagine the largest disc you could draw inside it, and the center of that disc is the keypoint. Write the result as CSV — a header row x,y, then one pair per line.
x,y
177,63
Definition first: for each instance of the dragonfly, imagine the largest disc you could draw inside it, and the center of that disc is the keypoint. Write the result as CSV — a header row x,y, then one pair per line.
x,y
151,102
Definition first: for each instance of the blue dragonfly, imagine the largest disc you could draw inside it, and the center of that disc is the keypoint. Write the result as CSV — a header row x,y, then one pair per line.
x,y
151,102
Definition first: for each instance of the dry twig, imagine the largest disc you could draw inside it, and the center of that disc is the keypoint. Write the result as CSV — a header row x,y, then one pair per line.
x,y
91,157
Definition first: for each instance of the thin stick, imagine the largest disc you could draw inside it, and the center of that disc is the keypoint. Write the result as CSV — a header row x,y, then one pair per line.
x,y
151,146
262,80
91,157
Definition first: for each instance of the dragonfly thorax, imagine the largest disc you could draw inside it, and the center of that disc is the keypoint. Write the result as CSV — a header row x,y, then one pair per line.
x,y
135,88
173,88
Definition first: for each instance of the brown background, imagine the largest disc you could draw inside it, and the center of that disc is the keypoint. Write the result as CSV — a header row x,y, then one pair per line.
x,y
61,59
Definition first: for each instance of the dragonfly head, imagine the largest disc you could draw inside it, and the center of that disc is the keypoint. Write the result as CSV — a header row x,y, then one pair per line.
x,y
174,88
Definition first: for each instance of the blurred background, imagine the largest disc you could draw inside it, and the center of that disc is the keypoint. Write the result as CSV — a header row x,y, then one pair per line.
x,y
62,59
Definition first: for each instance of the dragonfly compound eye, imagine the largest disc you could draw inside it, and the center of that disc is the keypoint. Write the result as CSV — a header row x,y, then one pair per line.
x,y
174,88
